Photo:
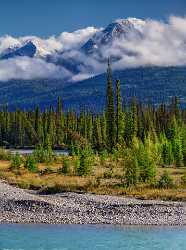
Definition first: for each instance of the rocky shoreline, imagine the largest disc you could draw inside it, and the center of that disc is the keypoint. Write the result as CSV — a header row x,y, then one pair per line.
x,y
20,206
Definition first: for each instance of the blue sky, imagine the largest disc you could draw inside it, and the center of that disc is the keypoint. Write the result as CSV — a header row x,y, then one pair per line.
x,y
48,17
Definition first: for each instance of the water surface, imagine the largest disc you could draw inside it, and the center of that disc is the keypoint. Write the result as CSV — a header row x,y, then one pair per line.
x,y
30,151
75,237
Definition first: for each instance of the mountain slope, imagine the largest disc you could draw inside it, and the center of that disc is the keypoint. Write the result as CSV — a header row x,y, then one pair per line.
x,y
89,58
155,84
72,59
118,29
28,49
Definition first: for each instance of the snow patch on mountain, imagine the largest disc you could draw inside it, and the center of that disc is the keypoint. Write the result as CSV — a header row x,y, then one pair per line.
x,y
128,42
116,30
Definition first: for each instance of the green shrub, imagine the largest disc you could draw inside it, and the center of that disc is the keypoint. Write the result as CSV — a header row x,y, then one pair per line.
x,y
167,154
43,155
30,164
74,150
165,181
178,154
86,162
66,166
5,155
16,161
183,179
76,163
103,155
147,168
131,170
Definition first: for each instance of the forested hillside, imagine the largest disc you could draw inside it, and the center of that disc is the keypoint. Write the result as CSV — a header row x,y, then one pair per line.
x,y
151,84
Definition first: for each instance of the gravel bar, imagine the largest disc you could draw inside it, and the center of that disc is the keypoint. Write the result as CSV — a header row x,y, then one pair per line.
x,y
20,206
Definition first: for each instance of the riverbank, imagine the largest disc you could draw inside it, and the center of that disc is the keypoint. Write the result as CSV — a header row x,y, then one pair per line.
x,y
20,206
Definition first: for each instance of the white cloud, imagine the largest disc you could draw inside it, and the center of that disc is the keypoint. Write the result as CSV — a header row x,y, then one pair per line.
x,y
81,77
65,41
45,46
30,68
77,38
160,44
178,24
7,42
34,68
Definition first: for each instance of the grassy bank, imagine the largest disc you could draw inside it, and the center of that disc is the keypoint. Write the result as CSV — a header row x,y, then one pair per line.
x,y
106,177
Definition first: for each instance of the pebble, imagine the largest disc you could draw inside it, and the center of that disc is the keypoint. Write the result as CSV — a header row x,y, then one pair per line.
x,y
21,206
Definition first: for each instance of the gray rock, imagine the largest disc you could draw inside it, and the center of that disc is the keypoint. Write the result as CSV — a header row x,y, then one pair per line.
x,y
20,206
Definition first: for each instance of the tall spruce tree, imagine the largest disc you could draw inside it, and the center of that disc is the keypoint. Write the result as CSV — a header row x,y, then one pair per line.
x,y
110,111
119,114
59,122
97,135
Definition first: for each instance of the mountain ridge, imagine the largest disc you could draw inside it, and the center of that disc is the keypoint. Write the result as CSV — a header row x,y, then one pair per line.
x,y
83,81
155,84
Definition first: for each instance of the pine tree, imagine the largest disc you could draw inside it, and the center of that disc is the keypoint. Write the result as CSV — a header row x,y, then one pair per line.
x,y
51,127
16,162
167,154
134,117
103,123
110,112
59,122
131,168
131,124
90,127
97,135
178,154
183,142
146,164
119,115
31,164
85,162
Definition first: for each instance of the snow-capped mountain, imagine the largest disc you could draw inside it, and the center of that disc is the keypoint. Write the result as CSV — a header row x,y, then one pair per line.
x,y
99,46
145,55
30,47
121,28
36,47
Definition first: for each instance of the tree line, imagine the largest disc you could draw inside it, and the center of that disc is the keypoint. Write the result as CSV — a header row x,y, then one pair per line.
x,y
148,129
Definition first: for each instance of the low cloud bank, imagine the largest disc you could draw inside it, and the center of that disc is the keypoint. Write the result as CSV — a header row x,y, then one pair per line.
x,y
159,44
30,68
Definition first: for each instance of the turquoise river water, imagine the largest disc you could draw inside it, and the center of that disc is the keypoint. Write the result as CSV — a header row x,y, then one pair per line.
x,y
75,237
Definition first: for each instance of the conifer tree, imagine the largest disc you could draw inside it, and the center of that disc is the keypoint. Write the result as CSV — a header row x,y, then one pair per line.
x,y
134,117
90,128
146,164
59,122
131,168
97,134
178,154
103,129
131,123
39,125
110,111
119,115
51,126
183,142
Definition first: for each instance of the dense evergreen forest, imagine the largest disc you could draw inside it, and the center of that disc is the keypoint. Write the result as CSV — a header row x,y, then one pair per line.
x,y
145,135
